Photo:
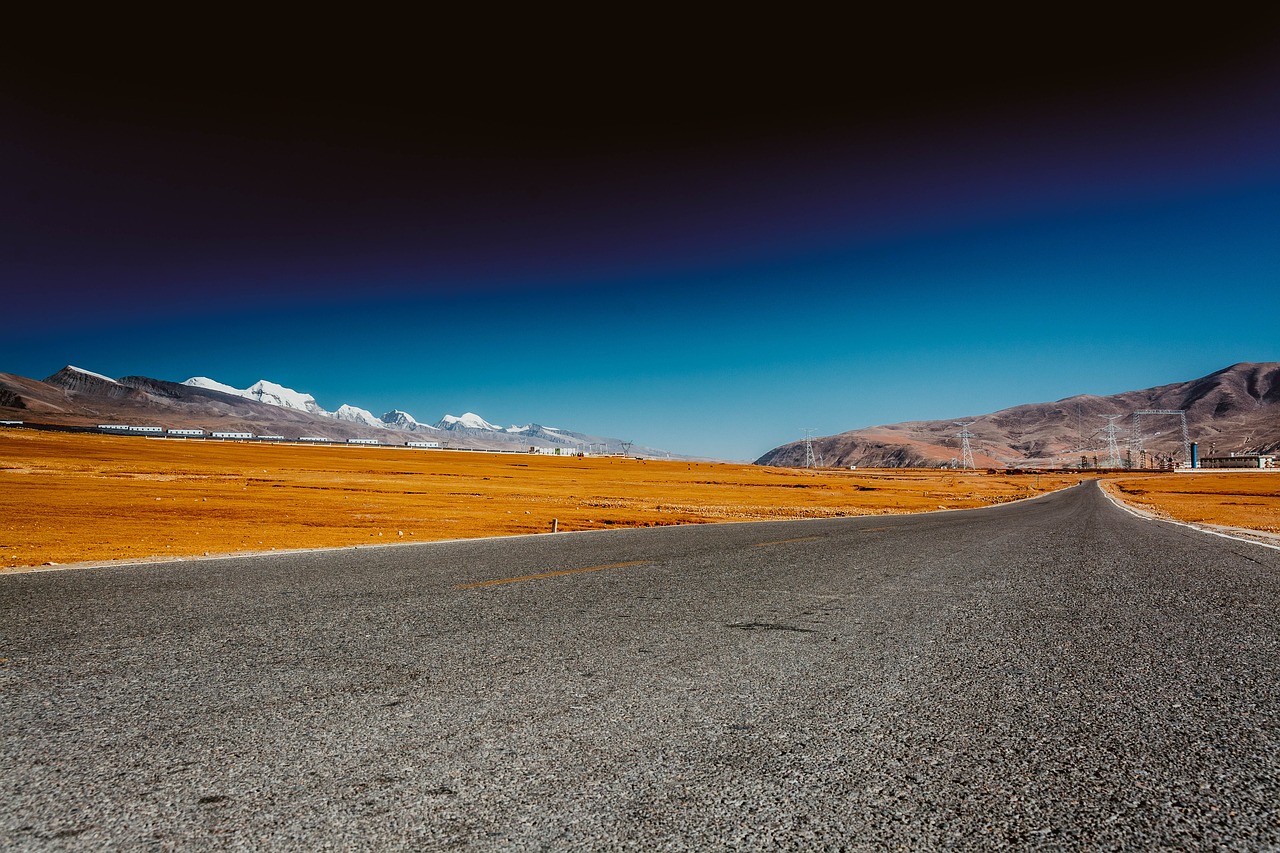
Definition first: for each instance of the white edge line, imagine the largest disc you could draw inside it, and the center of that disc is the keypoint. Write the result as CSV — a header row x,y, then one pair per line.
x,y
1147,516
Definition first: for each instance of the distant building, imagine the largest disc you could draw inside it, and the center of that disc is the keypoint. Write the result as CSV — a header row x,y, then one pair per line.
x,y
1239,460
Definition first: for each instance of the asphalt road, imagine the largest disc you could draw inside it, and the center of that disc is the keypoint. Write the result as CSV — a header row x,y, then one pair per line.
x,y
1054,674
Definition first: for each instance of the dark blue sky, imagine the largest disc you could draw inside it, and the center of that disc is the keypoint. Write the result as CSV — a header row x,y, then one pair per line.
x,y
697,237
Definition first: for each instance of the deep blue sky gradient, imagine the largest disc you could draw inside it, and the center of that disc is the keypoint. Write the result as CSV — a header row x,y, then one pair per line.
x,y
707,261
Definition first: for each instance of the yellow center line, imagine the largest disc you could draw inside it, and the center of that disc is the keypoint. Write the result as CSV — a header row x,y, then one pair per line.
x,y
541,575
785,541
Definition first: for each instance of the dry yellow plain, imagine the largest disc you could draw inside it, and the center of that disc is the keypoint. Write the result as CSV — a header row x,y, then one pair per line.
x,y
73,498
1229,498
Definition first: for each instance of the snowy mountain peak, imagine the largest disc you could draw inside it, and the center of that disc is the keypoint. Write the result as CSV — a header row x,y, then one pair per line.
x,y
397,416
397,419
91,373
531,428
278,395
468,430
212,385
263,391
469,420
357,415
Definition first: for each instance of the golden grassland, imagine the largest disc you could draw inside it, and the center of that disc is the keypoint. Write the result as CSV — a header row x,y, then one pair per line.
x,y
1249,499
87,498
72,498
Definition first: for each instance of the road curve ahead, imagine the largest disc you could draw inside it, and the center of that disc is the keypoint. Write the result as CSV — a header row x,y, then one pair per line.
x,y
1053,674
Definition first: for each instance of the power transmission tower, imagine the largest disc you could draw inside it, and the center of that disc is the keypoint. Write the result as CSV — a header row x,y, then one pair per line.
x,y
626,448
1113,447
1135,437
809,460
966,451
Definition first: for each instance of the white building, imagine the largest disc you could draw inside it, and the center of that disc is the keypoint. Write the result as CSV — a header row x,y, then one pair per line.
x,y
1239,460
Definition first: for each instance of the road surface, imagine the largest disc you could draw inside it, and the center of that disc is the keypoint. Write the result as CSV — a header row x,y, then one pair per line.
x,y
1053,674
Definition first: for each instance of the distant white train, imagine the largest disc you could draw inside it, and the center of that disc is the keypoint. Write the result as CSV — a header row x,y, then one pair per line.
x,y
422,444
231,435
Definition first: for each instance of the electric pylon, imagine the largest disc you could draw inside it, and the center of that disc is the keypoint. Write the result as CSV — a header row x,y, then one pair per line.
x,y
966,451
1113,447
809,460
1135,437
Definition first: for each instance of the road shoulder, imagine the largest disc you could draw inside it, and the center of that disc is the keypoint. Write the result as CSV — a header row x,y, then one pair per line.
x,y
1243,534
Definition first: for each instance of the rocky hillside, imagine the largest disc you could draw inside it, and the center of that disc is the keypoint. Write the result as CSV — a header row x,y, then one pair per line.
x,y
1234,409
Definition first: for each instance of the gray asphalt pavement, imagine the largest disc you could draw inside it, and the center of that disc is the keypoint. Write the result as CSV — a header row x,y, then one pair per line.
x,y
1054,674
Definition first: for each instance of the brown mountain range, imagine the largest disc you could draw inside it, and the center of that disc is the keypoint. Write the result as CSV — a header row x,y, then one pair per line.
x,y
1236,409
80,398
74,397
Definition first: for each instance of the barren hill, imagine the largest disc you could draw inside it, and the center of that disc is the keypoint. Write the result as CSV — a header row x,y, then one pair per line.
x,y
1234,409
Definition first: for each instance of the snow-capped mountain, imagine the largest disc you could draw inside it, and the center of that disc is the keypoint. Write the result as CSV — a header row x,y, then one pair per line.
x,y
81,381
468,428
75,369
358,415
214,385
396,419
468,421
528,428
75,396
551,434
263,391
